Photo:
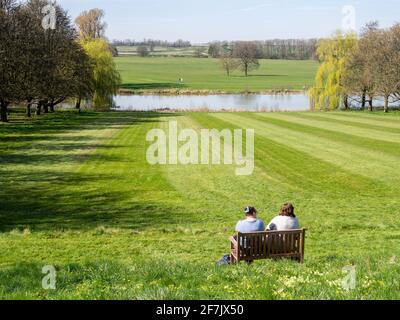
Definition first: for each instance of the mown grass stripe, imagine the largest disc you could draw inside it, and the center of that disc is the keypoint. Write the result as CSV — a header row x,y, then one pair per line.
x,y
368,129
214,186
357,159
355,122
388,147
390,119
299,169
377,136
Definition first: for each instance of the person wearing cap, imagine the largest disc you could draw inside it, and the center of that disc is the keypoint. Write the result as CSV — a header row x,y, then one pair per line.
x,y
251,223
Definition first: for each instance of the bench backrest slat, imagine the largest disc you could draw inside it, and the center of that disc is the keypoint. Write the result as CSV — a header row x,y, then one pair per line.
x,y
271,244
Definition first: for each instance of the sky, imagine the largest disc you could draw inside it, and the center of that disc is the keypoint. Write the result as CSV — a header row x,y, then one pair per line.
x,y
201,21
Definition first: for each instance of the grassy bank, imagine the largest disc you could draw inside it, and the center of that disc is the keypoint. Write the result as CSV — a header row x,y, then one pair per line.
x,y
201,76
76,192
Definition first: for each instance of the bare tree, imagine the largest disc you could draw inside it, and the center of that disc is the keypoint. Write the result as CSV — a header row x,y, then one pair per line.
x,y
142,51
373,67
359,79
215,49
395,40
90,24
246,53
385,60
228,63
199,52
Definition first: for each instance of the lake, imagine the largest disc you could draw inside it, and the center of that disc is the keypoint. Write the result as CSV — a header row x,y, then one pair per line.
x,y
220,102
236,102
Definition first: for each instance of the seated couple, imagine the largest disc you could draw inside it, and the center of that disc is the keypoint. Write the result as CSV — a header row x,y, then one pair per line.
x,y
285,221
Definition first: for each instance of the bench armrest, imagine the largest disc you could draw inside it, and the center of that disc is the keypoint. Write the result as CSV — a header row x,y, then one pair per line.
x,y
234,250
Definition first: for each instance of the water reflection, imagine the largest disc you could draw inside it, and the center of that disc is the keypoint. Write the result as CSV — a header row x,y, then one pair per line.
x,y
234,102
251,102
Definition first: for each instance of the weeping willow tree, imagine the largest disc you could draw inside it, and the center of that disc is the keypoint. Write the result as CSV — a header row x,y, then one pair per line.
x,y
328,93
105,74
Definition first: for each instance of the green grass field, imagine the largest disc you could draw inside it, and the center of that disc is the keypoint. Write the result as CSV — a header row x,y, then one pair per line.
x,y
76,192
162,74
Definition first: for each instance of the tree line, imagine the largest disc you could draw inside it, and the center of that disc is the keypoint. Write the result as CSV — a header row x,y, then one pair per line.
x,y
286,49
151,44
44,60
358,69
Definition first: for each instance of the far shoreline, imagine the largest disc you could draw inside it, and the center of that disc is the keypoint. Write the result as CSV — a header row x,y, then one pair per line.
x,y
194,92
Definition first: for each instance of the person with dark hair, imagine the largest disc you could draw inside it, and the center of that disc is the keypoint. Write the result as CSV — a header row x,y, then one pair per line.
x,y
286,220
250,223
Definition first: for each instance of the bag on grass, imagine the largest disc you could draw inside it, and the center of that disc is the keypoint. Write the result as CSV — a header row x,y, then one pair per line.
x,y
225,260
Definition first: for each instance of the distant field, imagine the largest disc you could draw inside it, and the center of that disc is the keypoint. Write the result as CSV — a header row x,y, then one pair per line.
x,y
155,74
77,193
163,51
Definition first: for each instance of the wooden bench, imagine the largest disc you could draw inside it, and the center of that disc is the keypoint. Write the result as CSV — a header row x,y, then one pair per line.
x,y
268,245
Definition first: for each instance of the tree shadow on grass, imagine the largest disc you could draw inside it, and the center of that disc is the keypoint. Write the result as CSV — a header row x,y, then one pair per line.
x,y
47,198
268,75
59,122
42,200
152,86
260,76
49,201
43,141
